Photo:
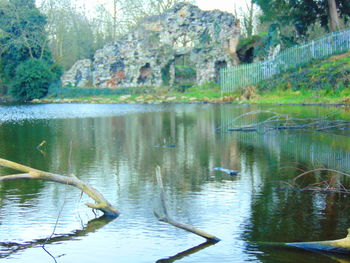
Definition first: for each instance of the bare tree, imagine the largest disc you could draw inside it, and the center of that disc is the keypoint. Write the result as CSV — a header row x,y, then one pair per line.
x,y
114,16
249,17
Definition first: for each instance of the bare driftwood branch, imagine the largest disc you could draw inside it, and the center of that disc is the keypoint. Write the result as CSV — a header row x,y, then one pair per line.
x,y
166,218
285,122
30,173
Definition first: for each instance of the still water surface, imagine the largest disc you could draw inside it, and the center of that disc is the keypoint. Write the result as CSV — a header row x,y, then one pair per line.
x,y
116,148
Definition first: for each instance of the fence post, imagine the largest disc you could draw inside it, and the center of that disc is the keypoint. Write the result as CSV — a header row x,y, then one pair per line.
x,y
313,49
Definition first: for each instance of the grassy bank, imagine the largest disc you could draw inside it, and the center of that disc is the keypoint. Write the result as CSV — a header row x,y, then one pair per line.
x,y
326,81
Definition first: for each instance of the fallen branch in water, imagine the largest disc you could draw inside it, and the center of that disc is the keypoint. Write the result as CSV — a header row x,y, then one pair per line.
x,y
166,218
335,246
30,173
277,121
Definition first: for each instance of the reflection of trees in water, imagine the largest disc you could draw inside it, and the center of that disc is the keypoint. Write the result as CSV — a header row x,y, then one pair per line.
x,y
315,148
118,151
126,142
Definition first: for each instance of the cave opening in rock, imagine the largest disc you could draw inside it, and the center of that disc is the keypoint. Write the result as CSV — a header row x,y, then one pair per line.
x,y
166,75
221,64
145,73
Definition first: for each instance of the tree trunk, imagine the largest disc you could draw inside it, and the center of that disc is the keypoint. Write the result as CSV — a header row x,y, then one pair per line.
x,y
114,32
249,23
333,16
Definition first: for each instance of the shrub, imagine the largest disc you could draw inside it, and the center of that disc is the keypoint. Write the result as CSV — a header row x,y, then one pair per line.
x,y
32,80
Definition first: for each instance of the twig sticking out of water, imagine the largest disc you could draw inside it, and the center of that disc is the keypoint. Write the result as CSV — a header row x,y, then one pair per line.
x,y
166,218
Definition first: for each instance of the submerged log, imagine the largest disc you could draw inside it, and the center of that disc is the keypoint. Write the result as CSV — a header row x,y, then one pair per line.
x,y
30,173
335,246
167,219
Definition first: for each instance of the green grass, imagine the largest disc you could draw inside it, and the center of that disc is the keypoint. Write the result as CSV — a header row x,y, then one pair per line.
x,y
303,97
329,74
323,81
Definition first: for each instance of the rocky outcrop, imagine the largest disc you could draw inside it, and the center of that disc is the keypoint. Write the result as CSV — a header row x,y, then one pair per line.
x,y
80,74
150,55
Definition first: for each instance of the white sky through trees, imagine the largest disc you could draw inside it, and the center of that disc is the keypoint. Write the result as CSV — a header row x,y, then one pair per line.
x,y
223,5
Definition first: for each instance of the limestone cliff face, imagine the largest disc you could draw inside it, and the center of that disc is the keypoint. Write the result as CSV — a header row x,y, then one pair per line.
x,y
149,54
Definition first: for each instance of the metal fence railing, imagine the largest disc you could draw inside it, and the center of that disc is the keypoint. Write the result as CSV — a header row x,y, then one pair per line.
x,y
232,78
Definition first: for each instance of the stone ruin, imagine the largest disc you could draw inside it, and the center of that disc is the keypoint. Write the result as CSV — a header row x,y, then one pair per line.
x,y
184,44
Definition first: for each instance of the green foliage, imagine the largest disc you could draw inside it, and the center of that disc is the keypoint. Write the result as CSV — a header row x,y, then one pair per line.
x,y
301,14
32,80
24,51
57,72
248,41
24,27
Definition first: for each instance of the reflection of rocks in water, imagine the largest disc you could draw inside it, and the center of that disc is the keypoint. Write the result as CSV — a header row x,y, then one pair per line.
x,y
183,37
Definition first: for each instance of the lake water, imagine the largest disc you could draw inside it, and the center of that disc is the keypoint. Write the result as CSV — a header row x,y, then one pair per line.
x,y
116,148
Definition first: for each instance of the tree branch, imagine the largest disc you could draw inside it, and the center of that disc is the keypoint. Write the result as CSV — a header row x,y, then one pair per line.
x,y
30,173
167,219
